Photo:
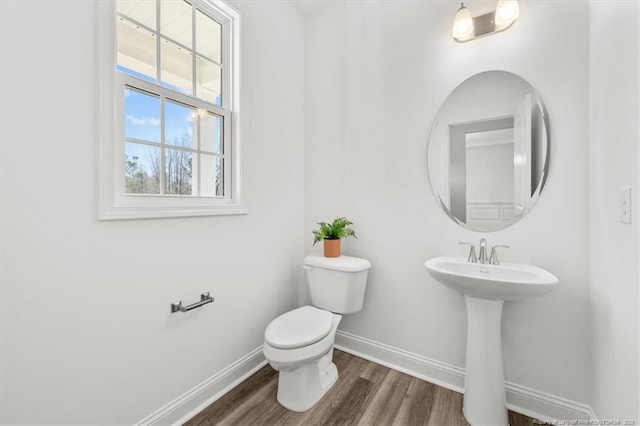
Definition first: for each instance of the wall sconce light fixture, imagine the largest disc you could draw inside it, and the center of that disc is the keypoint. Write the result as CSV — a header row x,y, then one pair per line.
x,y
465,27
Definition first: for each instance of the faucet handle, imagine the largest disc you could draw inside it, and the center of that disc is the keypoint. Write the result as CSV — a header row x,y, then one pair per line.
x,y
472,252
493,259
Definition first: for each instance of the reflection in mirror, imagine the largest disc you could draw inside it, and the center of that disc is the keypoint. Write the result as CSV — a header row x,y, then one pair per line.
x,y
488,152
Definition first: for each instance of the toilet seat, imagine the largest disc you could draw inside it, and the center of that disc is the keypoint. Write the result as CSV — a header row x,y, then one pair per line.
x,y
299,328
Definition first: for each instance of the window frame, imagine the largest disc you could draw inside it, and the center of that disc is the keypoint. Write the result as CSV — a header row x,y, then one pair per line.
x,y
113,202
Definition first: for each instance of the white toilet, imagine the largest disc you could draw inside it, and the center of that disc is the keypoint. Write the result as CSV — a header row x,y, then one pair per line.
x,y
299,343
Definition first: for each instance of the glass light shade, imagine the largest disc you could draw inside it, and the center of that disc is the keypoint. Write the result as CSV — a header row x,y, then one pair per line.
x,y
507,11
462,24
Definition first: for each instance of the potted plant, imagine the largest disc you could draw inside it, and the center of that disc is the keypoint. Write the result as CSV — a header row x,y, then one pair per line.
x,y
332,233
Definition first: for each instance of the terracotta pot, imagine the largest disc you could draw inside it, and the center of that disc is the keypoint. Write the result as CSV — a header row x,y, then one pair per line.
x,y
332,248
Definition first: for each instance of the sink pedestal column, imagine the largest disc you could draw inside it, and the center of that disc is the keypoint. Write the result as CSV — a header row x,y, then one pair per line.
x,y
484,391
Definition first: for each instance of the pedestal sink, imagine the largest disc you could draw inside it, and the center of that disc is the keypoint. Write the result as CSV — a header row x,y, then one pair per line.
x,y
485,289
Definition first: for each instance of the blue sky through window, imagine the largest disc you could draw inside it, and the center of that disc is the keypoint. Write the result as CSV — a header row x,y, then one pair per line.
x,y
178,127
143,121
142,116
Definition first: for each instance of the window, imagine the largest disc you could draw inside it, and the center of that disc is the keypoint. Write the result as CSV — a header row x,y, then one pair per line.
x,y
170,137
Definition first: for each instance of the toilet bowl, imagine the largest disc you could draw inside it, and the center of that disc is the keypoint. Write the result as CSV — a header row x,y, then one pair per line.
x,y
299,343
306,369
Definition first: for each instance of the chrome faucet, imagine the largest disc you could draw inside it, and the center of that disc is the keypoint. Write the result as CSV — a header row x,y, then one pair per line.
x,y
482,253
472,252
493,259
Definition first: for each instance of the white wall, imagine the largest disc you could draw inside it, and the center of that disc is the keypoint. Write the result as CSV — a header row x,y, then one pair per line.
x,y
376,75
614,134
87,336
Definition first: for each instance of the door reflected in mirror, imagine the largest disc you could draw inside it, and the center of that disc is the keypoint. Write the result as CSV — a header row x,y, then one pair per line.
x,y
488,151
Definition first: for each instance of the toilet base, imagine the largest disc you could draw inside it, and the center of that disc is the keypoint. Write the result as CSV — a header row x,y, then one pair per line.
x,y
302,387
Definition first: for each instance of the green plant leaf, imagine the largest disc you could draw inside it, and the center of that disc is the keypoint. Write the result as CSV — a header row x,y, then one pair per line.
x,y
338,229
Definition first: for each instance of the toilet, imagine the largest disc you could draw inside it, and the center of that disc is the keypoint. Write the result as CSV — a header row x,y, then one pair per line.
x,y
299,343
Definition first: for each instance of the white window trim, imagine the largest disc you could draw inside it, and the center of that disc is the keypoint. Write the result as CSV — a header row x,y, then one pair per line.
x,y
113,202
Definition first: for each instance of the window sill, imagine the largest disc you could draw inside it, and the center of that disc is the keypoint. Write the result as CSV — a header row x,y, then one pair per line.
x,y
156,212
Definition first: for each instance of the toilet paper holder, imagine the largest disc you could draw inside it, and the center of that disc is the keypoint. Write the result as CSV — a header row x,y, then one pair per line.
x,y
204,299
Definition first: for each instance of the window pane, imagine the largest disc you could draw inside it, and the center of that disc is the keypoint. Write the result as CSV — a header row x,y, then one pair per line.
x,y
211,175
175,21
142,115
136,50
143,11
208,40
141,169
208,81
211,133
178,171
176,67
178,125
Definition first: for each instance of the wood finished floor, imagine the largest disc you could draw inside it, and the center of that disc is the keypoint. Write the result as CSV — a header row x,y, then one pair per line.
x,y
365,394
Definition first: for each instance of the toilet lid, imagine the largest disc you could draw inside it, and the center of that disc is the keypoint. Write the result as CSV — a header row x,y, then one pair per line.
x,y
300,327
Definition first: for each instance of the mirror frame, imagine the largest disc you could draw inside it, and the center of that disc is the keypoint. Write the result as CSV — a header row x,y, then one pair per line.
x,y
545,169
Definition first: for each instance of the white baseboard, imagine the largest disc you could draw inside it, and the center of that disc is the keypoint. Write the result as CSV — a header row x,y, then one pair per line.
x,y
521,399
530,402
197,399
545,406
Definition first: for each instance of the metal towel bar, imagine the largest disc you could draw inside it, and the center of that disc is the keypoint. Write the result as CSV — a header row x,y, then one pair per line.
x,y
204,299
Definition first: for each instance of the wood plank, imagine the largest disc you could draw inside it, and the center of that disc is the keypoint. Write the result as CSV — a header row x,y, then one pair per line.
x,y
231,400
387,400
446,409
251,410
416,406
373,372
350,409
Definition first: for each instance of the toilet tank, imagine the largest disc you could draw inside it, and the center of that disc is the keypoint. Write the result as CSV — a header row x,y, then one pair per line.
x,y
337,284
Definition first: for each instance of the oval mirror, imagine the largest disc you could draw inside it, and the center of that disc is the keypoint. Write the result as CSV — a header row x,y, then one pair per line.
x,y
489,151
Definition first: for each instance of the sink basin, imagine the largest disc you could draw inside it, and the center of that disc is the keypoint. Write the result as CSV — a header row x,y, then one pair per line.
x,y
485,289
508,281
